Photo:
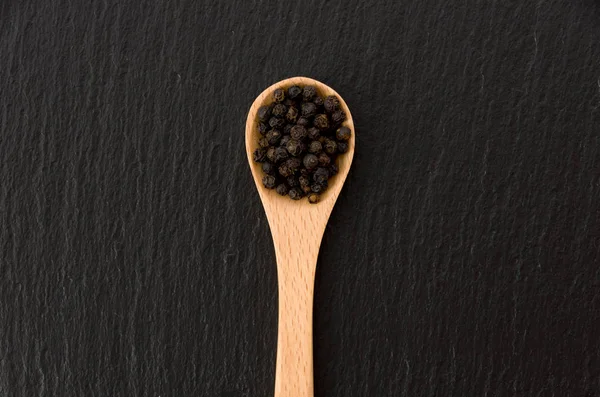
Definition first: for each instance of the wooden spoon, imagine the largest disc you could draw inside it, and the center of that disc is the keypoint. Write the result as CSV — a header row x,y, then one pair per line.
x,y
297,228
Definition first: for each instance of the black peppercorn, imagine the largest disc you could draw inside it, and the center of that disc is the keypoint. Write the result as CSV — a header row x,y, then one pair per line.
x,y
324,160
303,121
284,140
294,91
330,146
279,95
343,133
338,117
263,142
315,147
279,110
321,121
313,198
282,189
333,170
259,155
342,147
287,128
317,188
298,132
276,122
289,102
331,104
321,175
268,168
314,133
295,194
284,170
262,128
318,101
271,154
304,181
310,161
264,112
309,109
292,114
292,181
294,164
273,136
295,148
309,92
269,181
280,154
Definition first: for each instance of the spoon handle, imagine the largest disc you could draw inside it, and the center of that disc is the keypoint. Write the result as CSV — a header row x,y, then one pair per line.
x,y
296,264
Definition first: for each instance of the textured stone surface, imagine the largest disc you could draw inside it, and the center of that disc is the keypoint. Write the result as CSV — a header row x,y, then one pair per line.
x,y
462,258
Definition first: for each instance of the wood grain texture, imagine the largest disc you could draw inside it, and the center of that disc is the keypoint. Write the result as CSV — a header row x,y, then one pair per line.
x,y
461,258
297,228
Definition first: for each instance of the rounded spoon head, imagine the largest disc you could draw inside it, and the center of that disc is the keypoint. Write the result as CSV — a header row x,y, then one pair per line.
x,y
270,199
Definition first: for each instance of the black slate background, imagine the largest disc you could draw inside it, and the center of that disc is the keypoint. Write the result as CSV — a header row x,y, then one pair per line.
x,y
462,258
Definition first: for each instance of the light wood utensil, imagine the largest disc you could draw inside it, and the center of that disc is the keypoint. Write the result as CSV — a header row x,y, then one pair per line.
x,y
297,228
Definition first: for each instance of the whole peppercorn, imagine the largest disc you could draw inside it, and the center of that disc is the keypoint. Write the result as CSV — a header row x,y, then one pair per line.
x,y
304,172
315,147
333,170
292,181
295,148
305,189
259,155
321,121
269,181
295,193
324,159
313,198
294,164
309,92
276,122
308,109
292,114
279,110
338,117
319,101
303,121
304,181
331,104
294,91
310,161
289,102
279,95
280,154
282,189
264,112
273,136
284,140
268,168
271,154
330,146
342,147
263,142
262,128
322,139
314,133
284,170
298,132
287,128
317,188
321,175
343,133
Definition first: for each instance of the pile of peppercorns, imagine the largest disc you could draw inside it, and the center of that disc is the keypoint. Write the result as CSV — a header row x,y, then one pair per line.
x,y
301,135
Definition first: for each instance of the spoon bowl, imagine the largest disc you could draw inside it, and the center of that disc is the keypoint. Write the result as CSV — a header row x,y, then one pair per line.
x,y
297,229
